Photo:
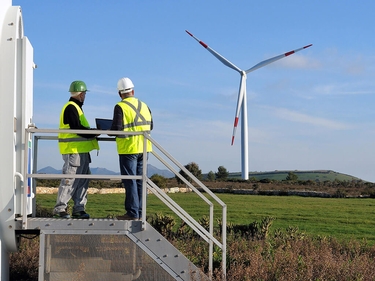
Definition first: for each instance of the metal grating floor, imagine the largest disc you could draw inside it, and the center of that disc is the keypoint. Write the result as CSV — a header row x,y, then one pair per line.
x,y
108,249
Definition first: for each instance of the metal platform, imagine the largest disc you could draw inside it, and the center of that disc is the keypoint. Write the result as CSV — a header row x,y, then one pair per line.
x,y
94,248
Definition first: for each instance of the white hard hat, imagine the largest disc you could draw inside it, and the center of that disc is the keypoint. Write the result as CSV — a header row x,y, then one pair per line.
x,y
125,85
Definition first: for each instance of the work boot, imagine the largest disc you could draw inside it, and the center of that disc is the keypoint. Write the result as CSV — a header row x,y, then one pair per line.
x,y
61,215
80,215
126,217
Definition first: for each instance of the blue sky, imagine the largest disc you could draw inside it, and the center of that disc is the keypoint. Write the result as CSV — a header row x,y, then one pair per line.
x,y
311,110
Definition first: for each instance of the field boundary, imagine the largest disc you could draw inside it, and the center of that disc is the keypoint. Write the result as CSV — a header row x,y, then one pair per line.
x,y
302,193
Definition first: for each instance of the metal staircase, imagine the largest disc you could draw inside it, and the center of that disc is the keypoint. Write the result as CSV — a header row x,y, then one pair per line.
x,y
110,249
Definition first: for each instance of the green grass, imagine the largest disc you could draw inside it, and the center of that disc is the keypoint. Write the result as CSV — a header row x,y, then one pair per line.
x,y
341,218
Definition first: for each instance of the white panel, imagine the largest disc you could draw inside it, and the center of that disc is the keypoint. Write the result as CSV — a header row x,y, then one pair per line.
x,y
24,113
4,271
4,5
27,115
11,30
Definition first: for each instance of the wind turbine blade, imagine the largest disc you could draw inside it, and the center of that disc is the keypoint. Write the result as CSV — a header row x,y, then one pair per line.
x,y
271,60
239,104
216,54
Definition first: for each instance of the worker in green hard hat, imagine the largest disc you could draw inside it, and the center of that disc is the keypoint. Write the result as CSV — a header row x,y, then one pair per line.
x,y
75,150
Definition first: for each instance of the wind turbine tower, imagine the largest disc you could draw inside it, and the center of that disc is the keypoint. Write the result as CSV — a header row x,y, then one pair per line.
x,y
242,99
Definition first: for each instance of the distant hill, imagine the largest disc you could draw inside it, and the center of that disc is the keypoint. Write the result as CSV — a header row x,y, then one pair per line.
x,y
151,170
102,171
315,175
48,170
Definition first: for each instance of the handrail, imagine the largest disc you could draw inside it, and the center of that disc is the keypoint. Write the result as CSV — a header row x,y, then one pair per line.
x,y
207,190
147,184
183,214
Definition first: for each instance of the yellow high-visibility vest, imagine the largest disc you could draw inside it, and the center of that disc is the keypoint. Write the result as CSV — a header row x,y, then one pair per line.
x,y
137,118
70,143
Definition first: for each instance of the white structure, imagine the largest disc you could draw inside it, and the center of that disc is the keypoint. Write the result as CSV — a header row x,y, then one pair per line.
x,y
242,100
16,110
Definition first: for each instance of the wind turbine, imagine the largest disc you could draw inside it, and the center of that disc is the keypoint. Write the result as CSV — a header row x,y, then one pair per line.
x,y
242,99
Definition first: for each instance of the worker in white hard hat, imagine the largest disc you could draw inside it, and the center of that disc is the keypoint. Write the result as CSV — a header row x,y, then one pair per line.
x,y
75,150
131,115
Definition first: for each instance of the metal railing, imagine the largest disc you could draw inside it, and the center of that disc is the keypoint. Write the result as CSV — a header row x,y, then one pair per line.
x,y
164,157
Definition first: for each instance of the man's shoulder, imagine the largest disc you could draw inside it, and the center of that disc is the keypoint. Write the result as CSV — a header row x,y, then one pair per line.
x,y
132,99
142,101
71,105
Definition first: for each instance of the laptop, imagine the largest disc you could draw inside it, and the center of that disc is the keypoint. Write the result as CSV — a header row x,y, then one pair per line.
x,y
103,124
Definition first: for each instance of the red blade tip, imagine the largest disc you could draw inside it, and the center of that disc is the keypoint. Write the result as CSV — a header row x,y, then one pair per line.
x,y
203,44
289,53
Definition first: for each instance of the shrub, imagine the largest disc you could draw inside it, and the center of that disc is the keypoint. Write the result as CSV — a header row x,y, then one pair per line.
x,y
340,193
24,264
265,180
159,180
163,224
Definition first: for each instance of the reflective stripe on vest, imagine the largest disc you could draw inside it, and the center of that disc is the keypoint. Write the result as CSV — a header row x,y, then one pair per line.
x,y
70,143
136,118
139,119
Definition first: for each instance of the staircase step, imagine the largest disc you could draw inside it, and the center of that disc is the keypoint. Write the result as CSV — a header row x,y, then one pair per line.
x,y
93,276
80,264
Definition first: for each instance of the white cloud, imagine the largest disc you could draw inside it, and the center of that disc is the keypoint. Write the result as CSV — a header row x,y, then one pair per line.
x,y
299,62
307,119
342,89
96,89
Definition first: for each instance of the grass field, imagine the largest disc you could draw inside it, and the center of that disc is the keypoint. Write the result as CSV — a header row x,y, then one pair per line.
x,y
341,218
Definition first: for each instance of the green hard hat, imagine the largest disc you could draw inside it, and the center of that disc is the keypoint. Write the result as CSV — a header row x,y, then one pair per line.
x,y
77,86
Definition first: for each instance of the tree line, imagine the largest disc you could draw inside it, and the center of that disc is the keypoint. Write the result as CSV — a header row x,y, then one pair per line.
x,y
222,175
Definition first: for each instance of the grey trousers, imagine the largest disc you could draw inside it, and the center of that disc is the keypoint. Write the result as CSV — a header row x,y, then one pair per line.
x,y
75,189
